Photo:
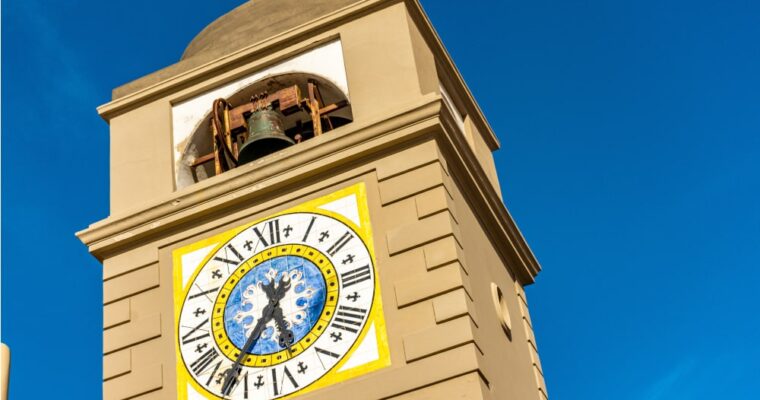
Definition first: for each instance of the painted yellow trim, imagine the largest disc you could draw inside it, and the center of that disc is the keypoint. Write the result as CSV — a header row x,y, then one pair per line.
x,y
375,316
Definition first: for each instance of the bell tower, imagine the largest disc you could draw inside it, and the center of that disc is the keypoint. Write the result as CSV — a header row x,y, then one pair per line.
x,y
306,206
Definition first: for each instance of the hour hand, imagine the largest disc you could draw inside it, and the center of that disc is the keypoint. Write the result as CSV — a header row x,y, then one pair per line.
x,y
232,374
275,290
283,287
269,289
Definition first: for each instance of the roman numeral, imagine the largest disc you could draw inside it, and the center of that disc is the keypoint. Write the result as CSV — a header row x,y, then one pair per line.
x,y
213,373
286,374
235,252
326,352
199,365
199,294
308,229
245,386
335,248
274,233
355,276
226,260
349,318
261,237
187,339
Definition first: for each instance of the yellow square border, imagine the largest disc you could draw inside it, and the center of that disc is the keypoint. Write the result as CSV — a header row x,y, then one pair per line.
x,y
375,318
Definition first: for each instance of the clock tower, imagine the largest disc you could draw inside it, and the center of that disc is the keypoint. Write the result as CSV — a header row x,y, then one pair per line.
x,y
306,206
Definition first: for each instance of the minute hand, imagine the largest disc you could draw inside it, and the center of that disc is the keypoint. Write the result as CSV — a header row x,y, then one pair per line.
x,y
274,295
233,372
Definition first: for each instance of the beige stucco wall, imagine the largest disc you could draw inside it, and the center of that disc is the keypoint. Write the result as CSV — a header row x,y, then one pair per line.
x,y
5,366
505,358
434,264
385,67
141,164
482,152
442,234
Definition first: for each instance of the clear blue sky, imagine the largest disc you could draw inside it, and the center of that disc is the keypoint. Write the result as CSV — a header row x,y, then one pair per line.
x,y
631,139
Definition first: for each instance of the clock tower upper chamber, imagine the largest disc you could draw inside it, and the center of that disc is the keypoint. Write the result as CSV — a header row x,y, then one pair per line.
x,y
306,206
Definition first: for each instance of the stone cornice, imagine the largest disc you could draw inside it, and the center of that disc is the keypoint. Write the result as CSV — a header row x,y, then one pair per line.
x,y
451,73
256,179
486,203
293,167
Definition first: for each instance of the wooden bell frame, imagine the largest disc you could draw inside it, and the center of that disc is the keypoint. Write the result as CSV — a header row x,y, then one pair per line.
x,y
229,124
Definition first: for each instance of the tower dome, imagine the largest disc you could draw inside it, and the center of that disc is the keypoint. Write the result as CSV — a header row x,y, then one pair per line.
x,y
255,21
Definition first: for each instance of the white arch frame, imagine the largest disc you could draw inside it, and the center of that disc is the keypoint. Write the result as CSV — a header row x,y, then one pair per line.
x,y
325,61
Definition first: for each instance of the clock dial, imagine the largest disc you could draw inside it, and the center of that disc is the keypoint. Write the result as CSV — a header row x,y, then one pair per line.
x,y
277,306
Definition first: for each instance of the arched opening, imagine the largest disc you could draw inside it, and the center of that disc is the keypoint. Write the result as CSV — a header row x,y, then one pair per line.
x,y
306,105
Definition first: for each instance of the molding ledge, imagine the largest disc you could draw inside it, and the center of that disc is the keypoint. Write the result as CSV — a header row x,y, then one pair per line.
x,y
293,167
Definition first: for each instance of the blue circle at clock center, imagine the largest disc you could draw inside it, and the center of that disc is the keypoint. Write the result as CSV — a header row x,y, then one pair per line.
x,y
301,305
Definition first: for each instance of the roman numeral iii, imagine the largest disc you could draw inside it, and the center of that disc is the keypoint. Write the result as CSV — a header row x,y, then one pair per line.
x,y
355,276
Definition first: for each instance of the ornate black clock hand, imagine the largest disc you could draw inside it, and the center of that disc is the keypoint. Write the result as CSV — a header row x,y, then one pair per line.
x,y
266,316
282,288
233,372
292,283
286,335
274,295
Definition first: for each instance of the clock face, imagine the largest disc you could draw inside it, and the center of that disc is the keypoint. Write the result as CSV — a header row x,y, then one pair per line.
x,y
281,305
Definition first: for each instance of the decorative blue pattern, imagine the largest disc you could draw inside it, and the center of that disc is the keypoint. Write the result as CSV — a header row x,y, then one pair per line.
x,y
302,304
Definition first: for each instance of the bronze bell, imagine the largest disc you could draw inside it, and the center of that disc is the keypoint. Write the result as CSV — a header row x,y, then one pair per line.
x,y
266,135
